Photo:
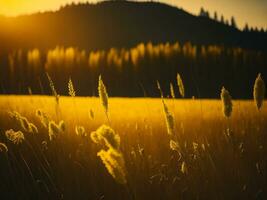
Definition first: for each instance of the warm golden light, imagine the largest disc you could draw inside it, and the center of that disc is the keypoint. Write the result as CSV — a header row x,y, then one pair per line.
x,y
17,7
252,12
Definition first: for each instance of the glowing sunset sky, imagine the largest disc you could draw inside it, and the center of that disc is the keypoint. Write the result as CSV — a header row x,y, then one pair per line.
x,y
252,11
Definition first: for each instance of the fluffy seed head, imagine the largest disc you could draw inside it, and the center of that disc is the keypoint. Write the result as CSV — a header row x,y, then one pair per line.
x,y
55,130
259,91
226,102
33,129
43,118
80,131
3,148
15,137
23,122
107,136
115,164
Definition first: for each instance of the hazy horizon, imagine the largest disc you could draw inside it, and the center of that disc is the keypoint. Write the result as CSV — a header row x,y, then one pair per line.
x,y
239,8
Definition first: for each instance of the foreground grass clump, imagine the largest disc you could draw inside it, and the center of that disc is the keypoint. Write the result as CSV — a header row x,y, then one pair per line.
x,y
206,157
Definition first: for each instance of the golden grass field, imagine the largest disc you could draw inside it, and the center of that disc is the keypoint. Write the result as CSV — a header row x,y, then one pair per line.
x,y
219,158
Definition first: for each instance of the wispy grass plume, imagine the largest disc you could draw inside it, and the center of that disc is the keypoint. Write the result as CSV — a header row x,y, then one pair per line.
x,y
112,158
106,136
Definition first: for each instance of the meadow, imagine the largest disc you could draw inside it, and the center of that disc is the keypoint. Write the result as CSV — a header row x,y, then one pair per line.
x,y
122,100
212,157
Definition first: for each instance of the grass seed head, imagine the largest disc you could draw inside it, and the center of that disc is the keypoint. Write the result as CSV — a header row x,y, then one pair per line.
x,y
259,91
55,130
107,136
80,131
43,118
3,148
71,88
33,129
102,92
15,137
114,163
172,91
226,102
180,85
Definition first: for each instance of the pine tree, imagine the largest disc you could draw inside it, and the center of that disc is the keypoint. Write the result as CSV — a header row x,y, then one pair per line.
x,y
233,22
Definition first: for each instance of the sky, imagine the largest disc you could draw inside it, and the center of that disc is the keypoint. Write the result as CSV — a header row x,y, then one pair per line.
x,y
254,12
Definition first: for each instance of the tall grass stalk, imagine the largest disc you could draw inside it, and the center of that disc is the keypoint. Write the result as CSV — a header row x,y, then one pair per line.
x,y
53,89
169,119
55,94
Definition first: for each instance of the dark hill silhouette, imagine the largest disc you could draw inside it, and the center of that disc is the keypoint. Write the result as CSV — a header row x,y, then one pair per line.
x,y
119,24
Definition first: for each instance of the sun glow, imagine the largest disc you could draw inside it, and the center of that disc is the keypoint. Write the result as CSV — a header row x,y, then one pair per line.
x,y
18,7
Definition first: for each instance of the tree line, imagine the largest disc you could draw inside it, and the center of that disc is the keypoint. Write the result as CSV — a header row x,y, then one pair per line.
x,y
134,71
